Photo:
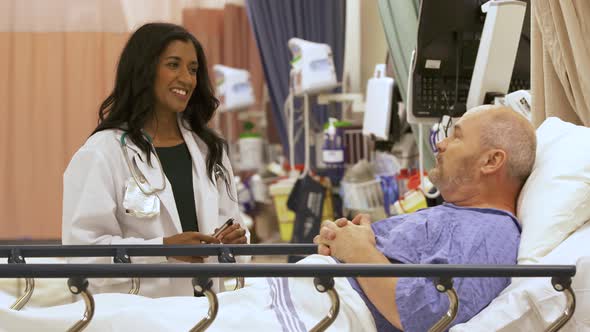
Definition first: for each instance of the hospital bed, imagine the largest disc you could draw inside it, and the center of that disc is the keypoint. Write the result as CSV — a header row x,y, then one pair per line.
x,y
323,274
554,207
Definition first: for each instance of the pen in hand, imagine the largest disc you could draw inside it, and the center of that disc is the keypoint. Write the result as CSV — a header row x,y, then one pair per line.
x,y
231,233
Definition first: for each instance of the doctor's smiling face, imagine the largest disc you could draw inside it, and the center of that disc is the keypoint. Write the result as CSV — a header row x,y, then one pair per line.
x,y
176,77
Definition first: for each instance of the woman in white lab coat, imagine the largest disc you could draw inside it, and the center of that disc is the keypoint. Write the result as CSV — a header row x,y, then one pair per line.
x,y
152,172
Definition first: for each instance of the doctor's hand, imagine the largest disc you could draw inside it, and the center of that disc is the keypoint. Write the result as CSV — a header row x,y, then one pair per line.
x,y
190,238
234,234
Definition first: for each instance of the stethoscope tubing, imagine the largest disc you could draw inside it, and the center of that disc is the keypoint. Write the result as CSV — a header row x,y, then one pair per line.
x,y
140,178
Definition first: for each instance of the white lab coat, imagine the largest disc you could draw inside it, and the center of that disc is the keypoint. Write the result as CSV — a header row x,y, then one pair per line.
x,y
93,213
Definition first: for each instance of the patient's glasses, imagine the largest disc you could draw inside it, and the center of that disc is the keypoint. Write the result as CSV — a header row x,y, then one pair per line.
x,y
323,274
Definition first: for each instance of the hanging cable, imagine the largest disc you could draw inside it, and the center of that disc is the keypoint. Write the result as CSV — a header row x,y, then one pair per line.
x,y
421,166
306,134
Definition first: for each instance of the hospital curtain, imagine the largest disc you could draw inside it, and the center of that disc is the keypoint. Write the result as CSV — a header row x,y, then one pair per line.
x,y
560,60
227,39
400,22
273,24
54,75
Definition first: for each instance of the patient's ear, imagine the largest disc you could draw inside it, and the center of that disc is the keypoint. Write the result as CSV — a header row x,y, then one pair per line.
x,y
494,160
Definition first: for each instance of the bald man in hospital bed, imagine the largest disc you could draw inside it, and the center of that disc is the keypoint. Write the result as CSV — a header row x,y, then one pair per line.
x,y
481,168
480,171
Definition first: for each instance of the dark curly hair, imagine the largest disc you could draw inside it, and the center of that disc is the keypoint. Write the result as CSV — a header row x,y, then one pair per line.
x,y
132,100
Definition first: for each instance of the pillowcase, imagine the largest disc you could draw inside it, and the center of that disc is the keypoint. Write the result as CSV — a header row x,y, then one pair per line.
x,y
531,304
555,200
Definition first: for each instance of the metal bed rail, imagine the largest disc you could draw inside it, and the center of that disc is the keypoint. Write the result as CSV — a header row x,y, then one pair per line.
x,y
283,270
323,275
123,253
7,251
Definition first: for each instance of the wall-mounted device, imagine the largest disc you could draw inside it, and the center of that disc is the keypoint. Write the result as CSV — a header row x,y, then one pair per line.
x,y
312,67
233,88
467,52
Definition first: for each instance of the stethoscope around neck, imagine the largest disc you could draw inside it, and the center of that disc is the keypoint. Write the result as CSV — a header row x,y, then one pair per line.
x,y
136,173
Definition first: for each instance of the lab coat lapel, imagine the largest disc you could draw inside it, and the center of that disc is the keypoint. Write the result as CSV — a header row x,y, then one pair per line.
x,y
206,198
153,175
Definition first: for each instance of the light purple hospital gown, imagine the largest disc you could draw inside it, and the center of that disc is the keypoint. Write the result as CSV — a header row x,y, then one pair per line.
x,y
445,234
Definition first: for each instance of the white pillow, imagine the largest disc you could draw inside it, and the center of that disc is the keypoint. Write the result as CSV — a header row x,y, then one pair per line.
x,y
531,304
555,200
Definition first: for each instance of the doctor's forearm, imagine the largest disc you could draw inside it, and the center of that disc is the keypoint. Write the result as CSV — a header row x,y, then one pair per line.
x,y
381,291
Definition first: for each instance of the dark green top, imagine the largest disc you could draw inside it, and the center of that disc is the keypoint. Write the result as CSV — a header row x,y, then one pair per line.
x,y
178,167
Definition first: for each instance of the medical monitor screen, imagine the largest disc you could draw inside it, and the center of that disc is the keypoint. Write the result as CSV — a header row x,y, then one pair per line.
x,y
449,31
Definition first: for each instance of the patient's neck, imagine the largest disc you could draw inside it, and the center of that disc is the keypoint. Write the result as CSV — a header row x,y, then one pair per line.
x,y
500,205
503,198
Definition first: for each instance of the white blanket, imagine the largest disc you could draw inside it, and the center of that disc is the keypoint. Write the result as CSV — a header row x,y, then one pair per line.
x,y
265,304
48,292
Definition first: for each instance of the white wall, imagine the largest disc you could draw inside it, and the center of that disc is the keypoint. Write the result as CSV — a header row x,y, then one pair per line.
x,y
373,42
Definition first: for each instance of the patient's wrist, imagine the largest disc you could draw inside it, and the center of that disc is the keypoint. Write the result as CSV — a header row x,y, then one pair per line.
x,y
365,254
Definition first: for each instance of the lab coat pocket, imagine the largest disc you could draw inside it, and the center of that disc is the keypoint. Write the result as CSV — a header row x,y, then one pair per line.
x,y
138,204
